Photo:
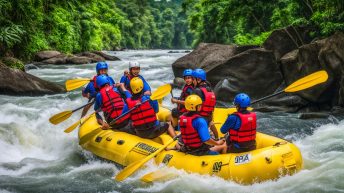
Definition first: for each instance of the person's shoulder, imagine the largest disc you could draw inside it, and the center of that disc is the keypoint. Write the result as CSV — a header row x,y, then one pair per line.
x,y
200,120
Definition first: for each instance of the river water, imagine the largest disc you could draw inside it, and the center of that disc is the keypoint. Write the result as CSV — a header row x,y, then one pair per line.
x,y
37,156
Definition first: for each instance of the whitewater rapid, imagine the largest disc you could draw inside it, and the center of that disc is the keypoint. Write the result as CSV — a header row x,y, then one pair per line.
x,y
37,156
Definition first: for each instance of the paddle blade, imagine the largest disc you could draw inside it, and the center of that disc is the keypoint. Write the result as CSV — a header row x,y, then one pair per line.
x,y
59,117
308,81
159,175
72,127
131,168
76,83
161,92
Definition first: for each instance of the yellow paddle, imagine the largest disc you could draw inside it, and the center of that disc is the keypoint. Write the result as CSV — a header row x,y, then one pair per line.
x,y
76,124
59,117
301,84
76,83
130,169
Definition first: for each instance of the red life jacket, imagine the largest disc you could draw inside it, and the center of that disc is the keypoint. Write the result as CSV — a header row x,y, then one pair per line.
x,y
95,83
190,135
208,103
181,108
247,130
112,104
144,116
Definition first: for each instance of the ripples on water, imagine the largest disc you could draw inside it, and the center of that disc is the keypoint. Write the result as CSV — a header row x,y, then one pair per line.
x,y
39,157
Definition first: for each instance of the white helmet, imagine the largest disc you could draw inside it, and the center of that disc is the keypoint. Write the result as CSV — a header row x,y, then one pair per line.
x,y
133,64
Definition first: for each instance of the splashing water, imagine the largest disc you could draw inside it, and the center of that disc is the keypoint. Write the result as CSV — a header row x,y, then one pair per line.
x,y
39,157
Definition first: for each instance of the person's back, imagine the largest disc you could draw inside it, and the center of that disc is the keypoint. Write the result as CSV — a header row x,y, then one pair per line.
x,y
110,102
203,90
195,137
240,127
143,117
91,90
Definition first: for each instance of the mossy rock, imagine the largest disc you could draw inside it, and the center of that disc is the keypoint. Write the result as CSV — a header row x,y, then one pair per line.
x,y
13,63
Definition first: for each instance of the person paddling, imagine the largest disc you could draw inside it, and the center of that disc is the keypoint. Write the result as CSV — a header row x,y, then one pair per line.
x,y
144,118
195,137
240,127
110,102
134,71
203,89
186,91
91,89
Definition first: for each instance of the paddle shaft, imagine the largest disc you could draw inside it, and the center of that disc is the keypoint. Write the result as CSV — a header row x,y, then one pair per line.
x,y
124,114
130,169
266,97
83,106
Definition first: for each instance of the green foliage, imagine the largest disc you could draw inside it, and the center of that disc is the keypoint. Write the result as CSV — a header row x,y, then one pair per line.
x,y
28,26
11,35
251,21
13,63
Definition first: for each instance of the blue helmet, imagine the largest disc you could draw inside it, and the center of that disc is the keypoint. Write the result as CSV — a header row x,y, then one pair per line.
x,y
187,72
102,80
242,100
199,73
101,65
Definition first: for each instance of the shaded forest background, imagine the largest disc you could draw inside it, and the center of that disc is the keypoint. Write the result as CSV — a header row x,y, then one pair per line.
x,y
70,26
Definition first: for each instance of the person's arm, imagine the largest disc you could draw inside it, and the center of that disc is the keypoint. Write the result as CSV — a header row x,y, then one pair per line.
x,y
123,79
230,122
112,82
97,106
153,103
200,124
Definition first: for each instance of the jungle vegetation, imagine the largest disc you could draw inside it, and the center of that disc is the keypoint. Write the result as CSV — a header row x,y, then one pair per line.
x,y
70,26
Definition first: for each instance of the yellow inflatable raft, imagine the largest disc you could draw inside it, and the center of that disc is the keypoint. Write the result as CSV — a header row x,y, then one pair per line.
x,y
273,157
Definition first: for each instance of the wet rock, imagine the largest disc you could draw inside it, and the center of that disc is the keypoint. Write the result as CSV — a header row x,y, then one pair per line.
x,y
43,55
326,54
106,56
30,67
94,57
60,59
253,71
178,82
19,83
78,60
332,54
286,39
207,56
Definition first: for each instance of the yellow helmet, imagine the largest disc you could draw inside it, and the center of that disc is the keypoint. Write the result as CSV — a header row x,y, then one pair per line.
x,y
136,85
192,101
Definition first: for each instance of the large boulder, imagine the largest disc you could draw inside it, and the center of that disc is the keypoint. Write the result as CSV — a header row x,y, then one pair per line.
x,y
253,71
207,56
106,56
17,82
94,57
59,59
286,39
78,60
302,62
332,54
43,55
